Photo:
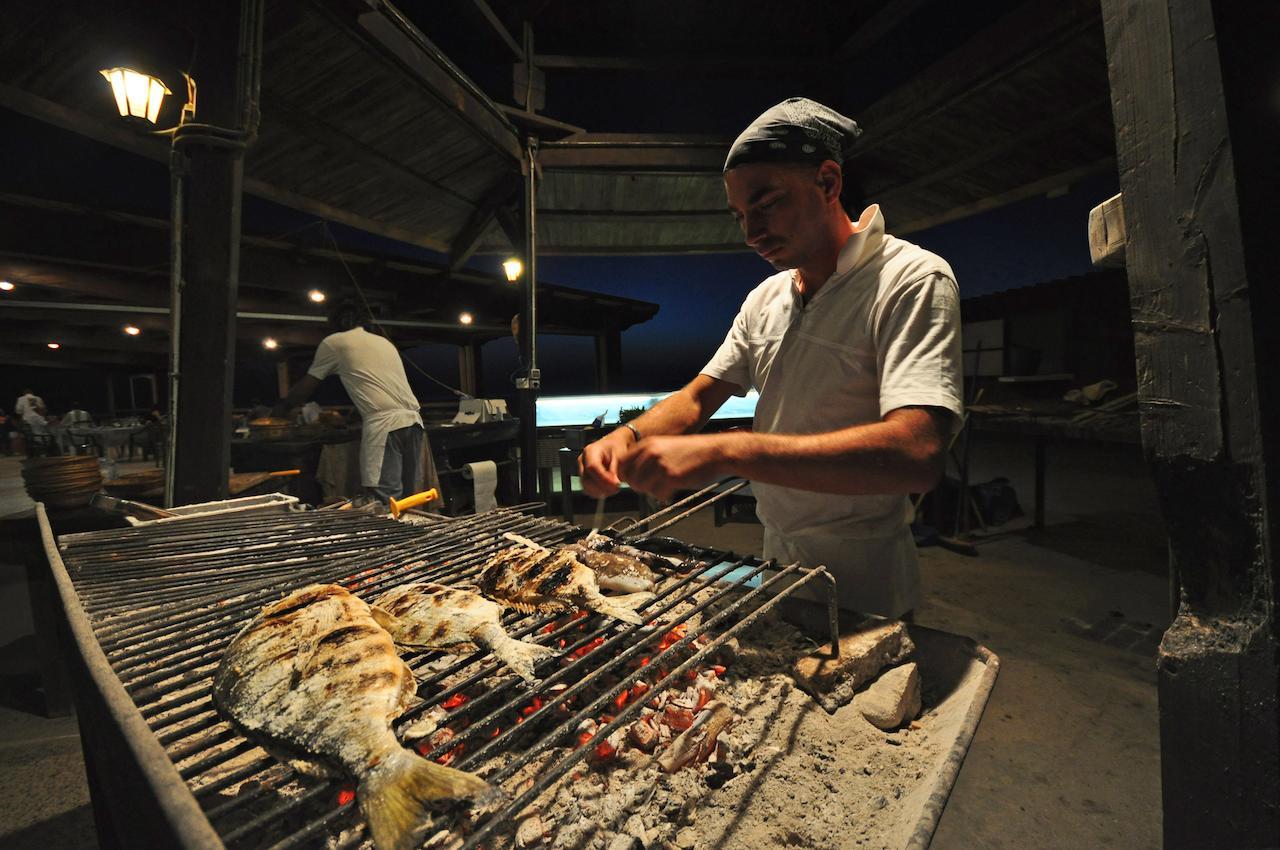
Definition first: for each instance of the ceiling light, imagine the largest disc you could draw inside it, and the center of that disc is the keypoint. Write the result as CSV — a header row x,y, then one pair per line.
x,y
270,344
6,286
466,318
513,268
132,330
316,296
54,345
138,95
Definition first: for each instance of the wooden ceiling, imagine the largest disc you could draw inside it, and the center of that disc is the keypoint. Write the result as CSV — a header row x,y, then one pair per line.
x,y
367,122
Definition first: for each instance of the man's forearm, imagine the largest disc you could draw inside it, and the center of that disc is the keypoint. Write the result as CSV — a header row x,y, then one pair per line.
x,y
897,456
684,411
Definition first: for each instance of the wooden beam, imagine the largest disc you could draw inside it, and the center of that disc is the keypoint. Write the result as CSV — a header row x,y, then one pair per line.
x,y
633,216
992,154
12,355
498,27
422,61
1021,193
636,152
79,339
1192,89
113,134
642,250
1012,43
695,63
504,193
324,134
884,21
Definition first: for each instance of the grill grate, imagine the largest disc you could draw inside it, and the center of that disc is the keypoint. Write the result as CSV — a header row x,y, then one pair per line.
x,y
164,601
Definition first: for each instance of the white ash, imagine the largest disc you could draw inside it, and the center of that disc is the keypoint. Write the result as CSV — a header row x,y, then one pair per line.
x,y
786,773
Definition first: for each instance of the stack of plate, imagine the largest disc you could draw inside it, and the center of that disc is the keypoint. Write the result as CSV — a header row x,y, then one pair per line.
x,y
62,482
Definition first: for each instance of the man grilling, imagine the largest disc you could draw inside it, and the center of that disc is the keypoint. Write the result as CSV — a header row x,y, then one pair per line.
x,y
372,373
854,347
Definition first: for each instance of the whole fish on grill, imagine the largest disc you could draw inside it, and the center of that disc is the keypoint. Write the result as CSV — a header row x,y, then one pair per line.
x,y
598,542
316,681
424,615
530,577
615,570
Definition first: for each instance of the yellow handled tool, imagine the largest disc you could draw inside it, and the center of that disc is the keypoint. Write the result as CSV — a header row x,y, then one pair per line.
x,y
398,506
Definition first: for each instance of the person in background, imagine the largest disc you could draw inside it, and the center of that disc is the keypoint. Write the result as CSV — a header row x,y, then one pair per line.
x,y
77,416
372,373
30,410
854,346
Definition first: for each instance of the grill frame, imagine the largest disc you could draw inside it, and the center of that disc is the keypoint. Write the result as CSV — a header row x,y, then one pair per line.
x,y
140,796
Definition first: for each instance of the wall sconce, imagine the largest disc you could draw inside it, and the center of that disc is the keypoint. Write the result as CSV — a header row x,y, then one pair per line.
x,y
465,318
138,95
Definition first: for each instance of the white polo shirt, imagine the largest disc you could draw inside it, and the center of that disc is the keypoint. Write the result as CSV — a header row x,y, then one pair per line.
x,y
883,332
372,373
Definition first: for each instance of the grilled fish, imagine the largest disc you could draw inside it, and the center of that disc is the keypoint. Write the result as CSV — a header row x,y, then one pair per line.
x,y
615,570
604,543
529,577
316,681
423,615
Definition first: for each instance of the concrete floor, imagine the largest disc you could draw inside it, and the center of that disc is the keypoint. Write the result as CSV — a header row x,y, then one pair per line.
x,y
1066,755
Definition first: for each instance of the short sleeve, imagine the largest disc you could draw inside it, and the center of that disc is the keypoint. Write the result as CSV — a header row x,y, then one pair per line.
x,y
918,347
326,361
731,361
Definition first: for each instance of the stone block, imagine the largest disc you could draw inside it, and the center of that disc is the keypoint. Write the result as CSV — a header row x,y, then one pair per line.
x,y
893,699
864,651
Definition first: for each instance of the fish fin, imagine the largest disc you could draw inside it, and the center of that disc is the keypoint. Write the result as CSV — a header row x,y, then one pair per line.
x,y
396,797
620,607
519,655
385,619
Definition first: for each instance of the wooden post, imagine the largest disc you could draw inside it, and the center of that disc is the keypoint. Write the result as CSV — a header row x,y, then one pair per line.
x,y
469,369
210,265
282,377
1196,131
608,360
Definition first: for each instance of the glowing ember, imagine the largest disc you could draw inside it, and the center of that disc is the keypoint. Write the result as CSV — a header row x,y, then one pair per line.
x,y
346,794
454,701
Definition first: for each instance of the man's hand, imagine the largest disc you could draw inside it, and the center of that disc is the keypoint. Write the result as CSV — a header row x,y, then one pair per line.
x,y
660,466
598,463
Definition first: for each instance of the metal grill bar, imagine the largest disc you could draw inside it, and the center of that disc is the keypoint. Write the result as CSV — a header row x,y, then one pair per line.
x,y
166,599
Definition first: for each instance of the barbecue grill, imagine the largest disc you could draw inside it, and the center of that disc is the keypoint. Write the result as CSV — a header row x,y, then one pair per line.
x,y
152,608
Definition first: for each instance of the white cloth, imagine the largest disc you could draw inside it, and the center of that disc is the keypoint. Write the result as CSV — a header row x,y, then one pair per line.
x,y
77,417
882,333
373,374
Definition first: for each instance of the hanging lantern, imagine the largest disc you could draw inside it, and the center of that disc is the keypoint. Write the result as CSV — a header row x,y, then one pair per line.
x,y
513,268
138,95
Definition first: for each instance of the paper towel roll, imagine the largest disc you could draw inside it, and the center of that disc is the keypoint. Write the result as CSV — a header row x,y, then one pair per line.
x,y
484,478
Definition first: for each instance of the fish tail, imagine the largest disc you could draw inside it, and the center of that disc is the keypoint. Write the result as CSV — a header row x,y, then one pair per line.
x,y
396,796
519,655
620,607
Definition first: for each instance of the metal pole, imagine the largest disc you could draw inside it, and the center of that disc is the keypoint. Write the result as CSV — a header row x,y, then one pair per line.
x,y
175,311
528,386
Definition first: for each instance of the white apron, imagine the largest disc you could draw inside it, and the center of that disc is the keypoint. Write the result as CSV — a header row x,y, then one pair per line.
x,y
373,440
873,576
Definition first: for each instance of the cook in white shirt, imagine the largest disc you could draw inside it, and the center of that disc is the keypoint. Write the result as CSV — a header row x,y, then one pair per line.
x,y
854,347
372,372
